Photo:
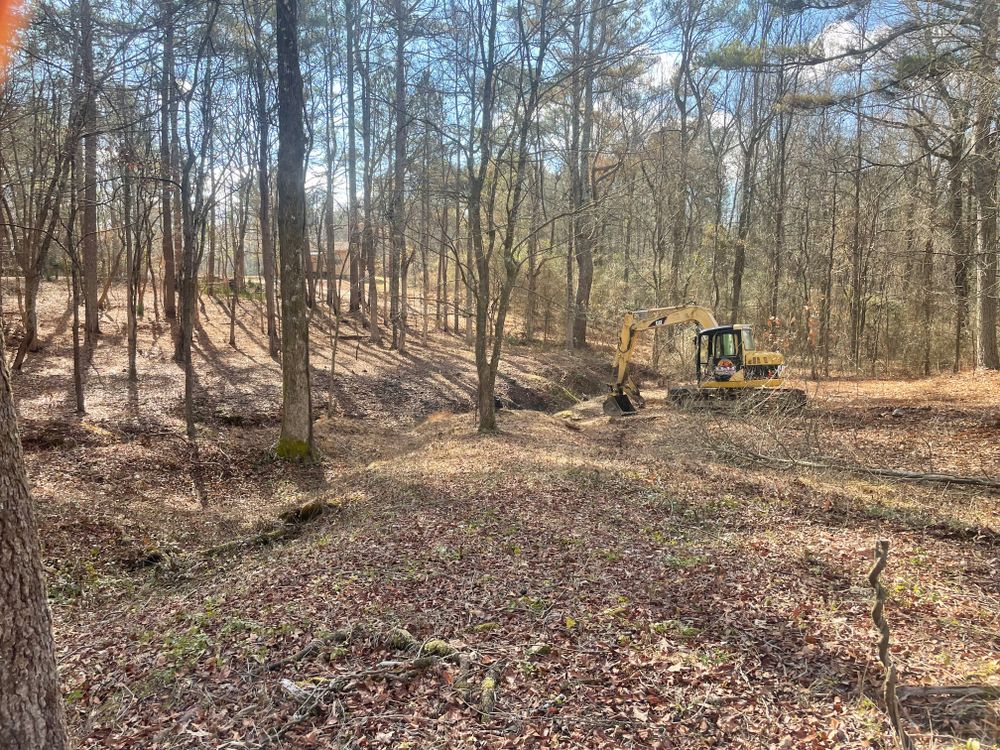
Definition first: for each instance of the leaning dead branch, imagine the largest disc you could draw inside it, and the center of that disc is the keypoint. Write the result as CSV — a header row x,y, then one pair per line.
x,y
878,617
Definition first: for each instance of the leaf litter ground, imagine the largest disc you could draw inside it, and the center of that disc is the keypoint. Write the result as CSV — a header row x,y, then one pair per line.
x,y
630,583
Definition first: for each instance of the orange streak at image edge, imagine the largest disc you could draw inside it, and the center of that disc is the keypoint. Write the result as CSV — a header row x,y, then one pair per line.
x,y
13,16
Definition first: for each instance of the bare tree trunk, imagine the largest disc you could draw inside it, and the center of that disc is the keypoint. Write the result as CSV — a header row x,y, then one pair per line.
x,y
959,246
73,250
857,260
928,300
441,282
530,304
827,308
89,234
264,184
397,216
133,262
368,232
295,442
575,179
985,174
307,266
211,244
404,299
570,297
234,301
39,240
167,187
780,199
743,236
192,199
470,321
585,225
31,706
188,297
328,203
425,241
239,253
353,236
492,308
748,190
152,274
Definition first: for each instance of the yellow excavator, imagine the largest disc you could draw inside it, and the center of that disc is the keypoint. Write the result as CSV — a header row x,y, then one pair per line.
x,y
727,363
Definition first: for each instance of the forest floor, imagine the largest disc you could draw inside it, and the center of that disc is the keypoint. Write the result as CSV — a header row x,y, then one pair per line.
x,y
677,579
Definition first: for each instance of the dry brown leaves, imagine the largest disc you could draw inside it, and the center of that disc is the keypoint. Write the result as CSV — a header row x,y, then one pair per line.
x,y
605,584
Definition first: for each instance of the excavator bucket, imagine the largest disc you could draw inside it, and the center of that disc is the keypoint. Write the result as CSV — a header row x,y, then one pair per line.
x,y
619,406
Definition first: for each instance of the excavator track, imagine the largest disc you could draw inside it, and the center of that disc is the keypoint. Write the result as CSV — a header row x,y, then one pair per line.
x,y
779,398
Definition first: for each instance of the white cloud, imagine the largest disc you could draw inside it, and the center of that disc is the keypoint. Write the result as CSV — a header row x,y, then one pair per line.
x,y
720,118
837,40
838,37
662,68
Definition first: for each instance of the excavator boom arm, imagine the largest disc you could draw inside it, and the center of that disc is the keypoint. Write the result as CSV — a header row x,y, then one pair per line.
x,y
641,320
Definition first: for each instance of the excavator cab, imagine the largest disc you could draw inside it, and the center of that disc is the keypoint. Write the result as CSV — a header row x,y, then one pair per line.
x,y
721,352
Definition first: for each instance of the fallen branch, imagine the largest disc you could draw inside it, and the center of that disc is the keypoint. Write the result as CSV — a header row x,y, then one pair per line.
x,y
981,692
878,617
257,540
488,691
288,523
877,471
391,671
314,646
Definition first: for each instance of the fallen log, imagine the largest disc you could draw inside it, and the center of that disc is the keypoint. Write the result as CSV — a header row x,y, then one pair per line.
x,y
288,525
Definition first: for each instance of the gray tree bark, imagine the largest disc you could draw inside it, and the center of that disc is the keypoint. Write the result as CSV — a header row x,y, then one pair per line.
x,y
295,442
31,708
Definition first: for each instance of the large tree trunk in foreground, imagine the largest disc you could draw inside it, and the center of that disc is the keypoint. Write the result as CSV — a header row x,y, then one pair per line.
x,y
296,418
31,710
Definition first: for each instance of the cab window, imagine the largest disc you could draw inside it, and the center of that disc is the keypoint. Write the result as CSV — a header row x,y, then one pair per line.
x,y
747,340
725,345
